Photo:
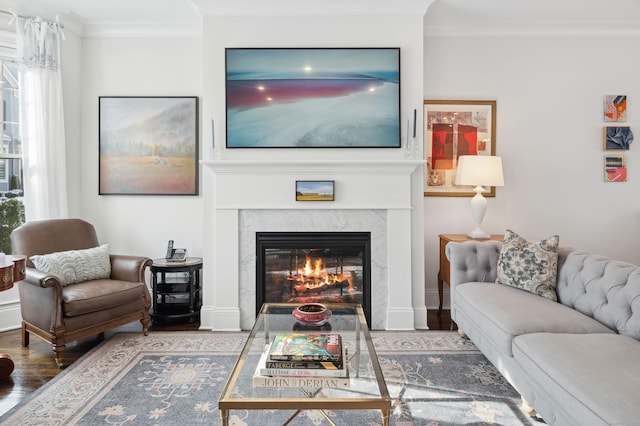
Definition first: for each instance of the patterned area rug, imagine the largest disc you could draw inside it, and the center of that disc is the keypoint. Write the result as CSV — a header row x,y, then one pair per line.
x,y
175,378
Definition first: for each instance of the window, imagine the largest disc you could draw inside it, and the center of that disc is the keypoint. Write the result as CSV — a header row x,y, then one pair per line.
x,y
11,177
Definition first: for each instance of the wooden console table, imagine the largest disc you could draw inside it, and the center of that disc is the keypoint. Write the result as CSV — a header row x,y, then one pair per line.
x,y
444,273
12,270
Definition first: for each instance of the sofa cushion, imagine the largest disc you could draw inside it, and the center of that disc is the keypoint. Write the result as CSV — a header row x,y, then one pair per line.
x,y
595,377
100,295
500,313
75,266
529,265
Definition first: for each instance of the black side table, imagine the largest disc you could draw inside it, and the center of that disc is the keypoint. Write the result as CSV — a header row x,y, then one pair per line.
x,y
177,290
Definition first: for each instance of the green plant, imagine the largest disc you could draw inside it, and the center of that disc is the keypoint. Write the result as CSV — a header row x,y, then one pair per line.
x,y
11,216
15,183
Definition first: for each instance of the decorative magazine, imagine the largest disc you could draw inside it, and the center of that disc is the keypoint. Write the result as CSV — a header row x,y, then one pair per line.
x,y
306,347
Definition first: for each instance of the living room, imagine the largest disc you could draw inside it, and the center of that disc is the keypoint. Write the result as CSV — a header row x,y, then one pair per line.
x,y
551,83
546,64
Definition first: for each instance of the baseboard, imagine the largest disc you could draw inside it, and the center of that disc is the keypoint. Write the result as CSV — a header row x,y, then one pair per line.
x,y
433,298
10,316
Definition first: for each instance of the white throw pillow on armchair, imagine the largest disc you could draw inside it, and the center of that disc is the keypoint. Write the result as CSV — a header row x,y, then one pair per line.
x,y
75,266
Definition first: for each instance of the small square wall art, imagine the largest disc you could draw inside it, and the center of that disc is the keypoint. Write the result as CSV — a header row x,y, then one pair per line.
x,y
615,108
617,137
615,168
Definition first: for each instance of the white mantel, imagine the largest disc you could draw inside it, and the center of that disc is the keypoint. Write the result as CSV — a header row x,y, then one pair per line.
x,y
244,197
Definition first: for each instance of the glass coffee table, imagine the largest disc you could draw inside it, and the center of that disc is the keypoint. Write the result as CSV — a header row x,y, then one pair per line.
x,y
366,391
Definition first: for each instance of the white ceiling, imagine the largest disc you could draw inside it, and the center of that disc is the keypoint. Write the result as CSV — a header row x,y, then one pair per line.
x,y
441,14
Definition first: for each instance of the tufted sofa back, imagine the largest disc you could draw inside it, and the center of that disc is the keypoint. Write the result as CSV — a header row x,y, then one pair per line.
x,y
602,288
605,289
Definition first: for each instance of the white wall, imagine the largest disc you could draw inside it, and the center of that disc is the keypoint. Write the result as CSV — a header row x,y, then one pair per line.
x,y
137,67
549,92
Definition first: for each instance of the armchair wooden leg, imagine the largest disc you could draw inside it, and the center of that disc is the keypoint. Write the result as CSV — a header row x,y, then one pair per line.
x,y
25,335
145,326
58,350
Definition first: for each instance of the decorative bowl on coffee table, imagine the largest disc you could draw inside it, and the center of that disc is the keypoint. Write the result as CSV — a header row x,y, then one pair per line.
x,y
311,314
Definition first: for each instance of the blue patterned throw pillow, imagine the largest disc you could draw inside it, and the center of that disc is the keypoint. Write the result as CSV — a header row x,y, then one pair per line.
x,y
529,265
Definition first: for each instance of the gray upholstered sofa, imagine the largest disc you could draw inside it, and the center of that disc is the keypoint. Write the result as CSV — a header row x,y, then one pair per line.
x,y
575,361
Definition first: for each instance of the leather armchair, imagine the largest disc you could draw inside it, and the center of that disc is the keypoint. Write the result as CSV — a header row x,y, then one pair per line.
x,y
62,314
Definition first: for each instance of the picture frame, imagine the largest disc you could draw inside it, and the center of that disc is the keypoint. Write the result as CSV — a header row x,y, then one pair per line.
x,y
315,190
312,97
453,128
148,145
616,138
615,108
615,168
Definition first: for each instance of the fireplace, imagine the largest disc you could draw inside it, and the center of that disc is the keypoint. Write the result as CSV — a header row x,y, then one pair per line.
x,y
381,197
320,267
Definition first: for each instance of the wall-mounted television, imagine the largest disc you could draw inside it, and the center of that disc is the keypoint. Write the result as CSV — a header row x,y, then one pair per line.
x,y
312,97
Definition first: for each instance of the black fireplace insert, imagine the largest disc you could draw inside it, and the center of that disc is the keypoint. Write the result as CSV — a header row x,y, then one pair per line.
x,y
318,267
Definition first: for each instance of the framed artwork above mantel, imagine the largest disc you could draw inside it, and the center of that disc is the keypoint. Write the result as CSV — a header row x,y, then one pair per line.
x,y
312,97
453,128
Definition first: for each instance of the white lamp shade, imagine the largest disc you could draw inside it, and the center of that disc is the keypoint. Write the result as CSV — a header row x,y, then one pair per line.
x,y
479,170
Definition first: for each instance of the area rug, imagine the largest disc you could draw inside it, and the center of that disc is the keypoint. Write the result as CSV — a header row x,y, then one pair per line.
x,y
175,378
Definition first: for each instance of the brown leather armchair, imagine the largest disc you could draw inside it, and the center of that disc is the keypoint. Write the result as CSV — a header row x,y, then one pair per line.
x,y
62,314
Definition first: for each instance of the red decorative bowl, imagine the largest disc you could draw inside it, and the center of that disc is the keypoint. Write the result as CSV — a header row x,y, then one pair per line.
x,y
311,314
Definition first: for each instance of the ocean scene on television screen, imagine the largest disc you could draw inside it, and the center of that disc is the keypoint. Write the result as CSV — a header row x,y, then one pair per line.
x,y
313,98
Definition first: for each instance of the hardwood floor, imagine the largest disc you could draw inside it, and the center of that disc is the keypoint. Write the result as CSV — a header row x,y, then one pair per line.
x,y
35,366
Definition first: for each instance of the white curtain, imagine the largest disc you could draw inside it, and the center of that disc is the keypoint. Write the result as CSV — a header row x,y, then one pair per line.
x,y
42,119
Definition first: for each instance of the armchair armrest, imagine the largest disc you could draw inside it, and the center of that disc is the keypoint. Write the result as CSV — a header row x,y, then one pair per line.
x,y
129,268
42,279
41,300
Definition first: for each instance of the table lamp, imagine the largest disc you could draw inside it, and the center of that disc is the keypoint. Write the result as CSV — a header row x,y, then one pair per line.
x,y
479,171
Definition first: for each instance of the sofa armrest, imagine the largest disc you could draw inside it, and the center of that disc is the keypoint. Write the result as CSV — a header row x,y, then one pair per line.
x,y
129,268
471,261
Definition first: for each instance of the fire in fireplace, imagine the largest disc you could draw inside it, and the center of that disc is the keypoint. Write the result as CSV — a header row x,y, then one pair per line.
x,y
320,267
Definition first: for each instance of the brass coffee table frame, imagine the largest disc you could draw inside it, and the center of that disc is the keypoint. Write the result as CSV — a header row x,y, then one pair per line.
x,y
276,317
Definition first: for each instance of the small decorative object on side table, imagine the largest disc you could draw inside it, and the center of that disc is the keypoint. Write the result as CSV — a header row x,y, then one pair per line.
x,y
12,269
177,290
443,273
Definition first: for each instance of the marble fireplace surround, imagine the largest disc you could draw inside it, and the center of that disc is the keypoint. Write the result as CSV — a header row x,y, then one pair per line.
x,y
251,196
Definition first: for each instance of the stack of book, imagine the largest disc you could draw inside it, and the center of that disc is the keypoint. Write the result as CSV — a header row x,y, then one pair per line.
x,y
303,360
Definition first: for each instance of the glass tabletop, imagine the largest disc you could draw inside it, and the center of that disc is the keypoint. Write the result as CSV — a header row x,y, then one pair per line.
x,y
366,388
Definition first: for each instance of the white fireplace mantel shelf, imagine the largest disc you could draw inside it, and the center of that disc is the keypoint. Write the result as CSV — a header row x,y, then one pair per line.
x,y
313,166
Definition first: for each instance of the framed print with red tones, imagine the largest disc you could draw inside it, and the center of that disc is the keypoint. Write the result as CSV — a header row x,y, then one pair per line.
x,y
452,129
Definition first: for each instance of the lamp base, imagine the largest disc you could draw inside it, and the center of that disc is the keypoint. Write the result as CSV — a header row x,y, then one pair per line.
x,y
478,207
478,234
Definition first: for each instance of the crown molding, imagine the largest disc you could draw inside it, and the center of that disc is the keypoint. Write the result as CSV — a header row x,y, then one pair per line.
x,y
145,29
530,28
312,7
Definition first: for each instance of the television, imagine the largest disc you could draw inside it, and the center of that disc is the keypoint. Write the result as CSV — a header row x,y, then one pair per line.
x,y
312,97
